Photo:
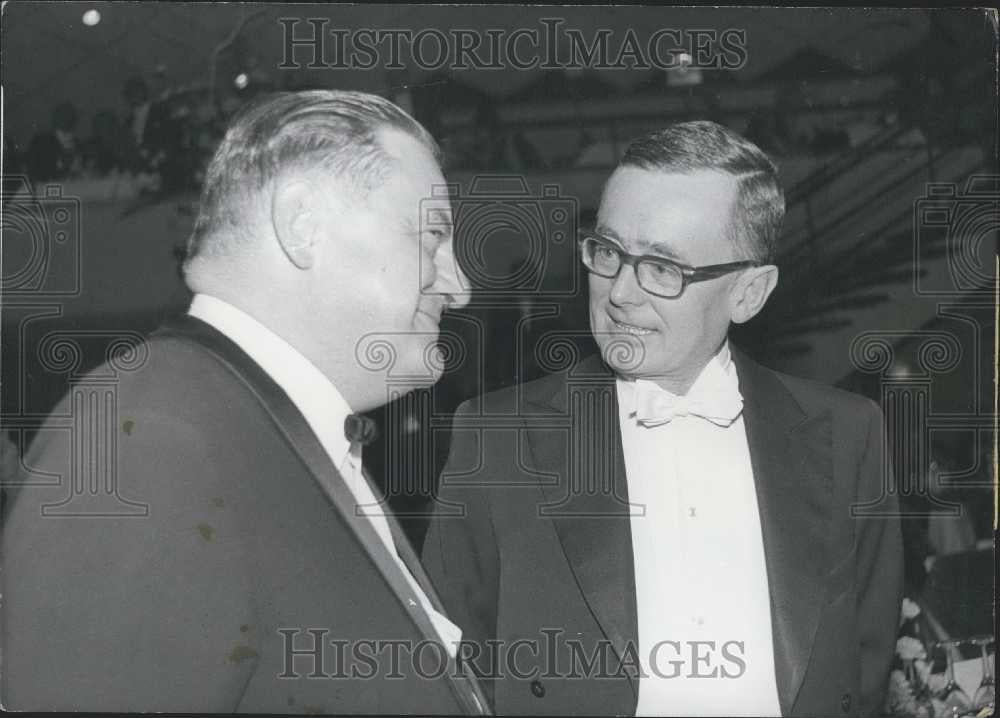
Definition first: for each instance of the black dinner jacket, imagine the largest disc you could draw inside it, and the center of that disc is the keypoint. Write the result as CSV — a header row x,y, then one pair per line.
x,y
532,539
227,541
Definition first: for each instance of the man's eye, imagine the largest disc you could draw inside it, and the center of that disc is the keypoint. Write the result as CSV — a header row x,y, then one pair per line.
x,y
659,269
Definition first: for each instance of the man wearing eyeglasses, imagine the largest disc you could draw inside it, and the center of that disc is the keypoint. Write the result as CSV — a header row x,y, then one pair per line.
x,y
666,528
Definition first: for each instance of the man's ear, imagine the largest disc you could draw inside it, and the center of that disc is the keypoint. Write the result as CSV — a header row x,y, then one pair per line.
x,y
295,221
751,290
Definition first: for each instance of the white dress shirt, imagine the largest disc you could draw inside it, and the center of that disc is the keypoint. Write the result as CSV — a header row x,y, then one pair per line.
x,y
700,574
324,410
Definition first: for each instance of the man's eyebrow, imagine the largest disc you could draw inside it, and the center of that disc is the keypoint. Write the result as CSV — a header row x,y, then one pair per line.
x,y
657,248
606,231
662,250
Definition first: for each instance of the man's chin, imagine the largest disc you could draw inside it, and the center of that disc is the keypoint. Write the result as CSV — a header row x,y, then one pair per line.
x,y
419,363
425,323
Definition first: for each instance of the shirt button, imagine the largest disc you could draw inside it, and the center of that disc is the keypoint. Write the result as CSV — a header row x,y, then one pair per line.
x,y
845,702
537,689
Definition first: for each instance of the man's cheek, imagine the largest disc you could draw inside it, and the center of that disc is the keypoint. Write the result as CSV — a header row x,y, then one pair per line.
x,y
598,288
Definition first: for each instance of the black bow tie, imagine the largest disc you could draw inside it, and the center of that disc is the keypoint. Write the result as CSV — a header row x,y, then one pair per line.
x,y
360,429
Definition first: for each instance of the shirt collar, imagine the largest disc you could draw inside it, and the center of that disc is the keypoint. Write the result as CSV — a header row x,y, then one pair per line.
x,y
313,394
718,374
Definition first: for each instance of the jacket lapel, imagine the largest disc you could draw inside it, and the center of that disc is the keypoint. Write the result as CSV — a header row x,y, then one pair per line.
x,y
295,429
589,503
791,455
408,555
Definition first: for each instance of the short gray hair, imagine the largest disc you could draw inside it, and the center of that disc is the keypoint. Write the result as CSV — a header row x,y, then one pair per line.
x,y
702,145
330,129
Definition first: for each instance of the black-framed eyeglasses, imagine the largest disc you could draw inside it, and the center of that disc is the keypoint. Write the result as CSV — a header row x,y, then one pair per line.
x,y
656,275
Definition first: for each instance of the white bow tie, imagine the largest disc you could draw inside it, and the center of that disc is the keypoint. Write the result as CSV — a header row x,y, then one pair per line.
x,y
655,406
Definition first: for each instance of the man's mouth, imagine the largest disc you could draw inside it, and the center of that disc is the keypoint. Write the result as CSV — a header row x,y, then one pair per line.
x,y
631,328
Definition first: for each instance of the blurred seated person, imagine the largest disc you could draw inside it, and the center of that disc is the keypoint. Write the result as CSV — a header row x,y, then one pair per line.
x,y
137,101
102,153
170,139
53,153
933,529
948,531
135,120
152,131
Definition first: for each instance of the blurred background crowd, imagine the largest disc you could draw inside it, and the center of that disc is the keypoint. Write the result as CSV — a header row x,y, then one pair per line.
x,y
168,136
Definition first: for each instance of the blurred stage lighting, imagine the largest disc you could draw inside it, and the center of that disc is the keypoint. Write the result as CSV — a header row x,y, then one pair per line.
x,y
241,80
91,18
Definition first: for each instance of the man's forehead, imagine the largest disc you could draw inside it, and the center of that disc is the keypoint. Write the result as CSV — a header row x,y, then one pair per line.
x,y
643,243
705,182
641,192
397,143
409,153
666,212
415,182
412,204
435,205
437,212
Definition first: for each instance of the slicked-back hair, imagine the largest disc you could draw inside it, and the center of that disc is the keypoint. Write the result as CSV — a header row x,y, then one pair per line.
x,y
329,130
693,146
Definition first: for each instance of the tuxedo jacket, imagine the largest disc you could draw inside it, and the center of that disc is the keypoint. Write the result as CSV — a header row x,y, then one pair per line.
x,y
531,547
174,549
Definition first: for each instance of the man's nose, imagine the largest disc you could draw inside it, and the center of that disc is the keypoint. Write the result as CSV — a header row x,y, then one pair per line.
x,y
625,287
450,280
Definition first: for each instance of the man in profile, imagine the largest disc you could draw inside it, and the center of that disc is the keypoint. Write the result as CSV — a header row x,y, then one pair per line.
x,y
666,528
263,576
